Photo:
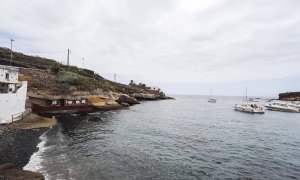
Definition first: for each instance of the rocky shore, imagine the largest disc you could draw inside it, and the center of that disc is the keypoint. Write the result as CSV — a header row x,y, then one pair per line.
x,y
17,146
18,141
10,172
290,96
49,80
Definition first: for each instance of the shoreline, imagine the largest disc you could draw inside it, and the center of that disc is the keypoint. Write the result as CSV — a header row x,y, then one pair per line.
x,y
19,141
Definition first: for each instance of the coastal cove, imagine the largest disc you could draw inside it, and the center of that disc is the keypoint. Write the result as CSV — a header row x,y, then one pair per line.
x,y
181,139
34,90
149,90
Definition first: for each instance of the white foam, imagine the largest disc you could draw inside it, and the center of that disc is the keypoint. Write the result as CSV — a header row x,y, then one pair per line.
x,y
35,162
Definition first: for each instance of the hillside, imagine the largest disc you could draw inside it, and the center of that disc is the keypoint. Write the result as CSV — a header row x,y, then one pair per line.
x,y
47,77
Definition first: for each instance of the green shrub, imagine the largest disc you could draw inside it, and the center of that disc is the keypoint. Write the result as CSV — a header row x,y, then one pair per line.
x,y
107,86
84,83
55,67
68,77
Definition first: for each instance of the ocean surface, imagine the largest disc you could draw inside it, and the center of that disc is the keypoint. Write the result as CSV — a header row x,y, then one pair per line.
x,y
186,138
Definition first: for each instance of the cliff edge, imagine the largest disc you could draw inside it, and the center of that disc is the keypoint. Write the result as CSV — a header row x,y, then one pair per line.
x,y
290,96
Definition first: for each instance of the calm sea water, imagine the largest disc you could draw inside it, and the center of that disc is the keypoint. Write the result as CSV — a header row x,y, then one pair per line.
x,y
186,138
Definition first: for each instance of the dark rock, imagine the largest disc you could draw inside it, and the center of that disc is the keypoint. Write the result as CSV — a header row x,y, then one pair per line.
x,y
125,104
6,166
167,97
95,119
9,172
123,98
290,96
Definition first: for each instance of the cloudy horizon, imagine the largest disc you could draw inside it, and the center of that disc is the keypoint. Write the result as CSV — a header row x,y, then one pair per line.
x,y
185,47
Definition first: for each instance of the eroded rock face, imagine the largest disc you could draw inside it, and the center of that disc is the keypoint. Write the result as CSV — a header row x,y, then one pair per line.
x,y
124,98
145,96
104,104
290,96
8,171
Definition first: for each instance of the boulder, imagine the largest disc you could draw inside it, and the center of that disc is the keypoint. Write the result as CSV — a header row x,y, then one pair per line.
x,y
104,104
124,98
95,119
8,171
125,104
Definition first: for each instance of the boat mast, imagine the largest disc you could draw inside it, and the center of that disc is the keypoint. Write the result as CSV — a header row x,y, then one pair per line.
x,y
246,93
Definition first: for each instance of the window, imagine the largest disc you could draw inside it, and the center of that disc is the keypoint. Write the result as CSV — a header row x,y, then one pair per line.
x,y
7,76
83,101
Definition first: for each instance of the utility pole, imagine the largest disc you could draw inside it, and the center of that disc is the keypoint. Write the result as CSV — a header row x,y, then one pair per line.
x,y
115,77
68,57
82,63
11,40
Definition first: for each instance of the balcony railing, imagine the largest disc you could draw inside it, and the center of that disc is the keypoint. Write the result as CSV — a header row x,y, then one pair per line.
x,y
21,115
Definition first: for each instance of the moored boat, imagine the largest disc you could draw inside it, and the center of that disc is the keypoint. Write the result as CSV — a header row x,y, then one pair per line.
x,y
211,99
295,104
249,108
280,106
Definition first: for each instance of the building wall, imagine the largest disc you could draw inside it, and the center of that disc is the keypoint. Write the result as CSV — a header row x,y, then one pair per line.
x,y
13,74
12,103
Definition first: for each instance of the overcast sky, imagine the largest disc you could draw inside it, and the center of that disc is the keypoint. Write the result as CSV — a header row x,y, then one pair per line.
x,y
184,46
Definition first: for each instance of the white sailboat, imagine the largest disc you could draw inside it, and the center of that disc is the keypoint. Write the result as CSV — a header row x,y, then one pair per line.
x,y
211,99
249,107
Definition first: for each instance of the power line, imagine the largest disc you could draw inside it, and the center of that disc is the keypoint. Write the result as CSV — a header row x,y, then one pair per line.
x,y
49,52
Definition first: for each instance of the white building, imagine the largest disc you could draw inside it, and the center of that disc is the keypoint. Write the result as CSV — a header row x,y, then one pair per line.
x,y
12,94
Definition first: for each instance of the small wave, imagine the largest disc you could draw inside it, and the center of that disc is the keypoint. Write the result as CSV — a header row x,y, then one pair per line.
x,y
35,162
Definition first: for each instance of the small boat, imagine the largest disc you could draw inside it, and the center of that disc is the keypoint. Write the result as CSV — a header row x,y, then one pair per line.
x,y
211,99
279,106
249,108
295,104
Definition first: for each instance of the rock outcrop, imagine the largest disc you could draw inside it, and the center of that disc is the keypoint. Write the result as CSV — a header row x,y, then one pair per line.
x,y
104,104
145,96
9,172
124,98
290,96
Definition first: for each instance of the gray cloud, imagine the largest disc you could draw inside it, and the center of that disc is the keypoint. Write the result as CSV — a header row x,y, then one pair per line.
x,y
170,41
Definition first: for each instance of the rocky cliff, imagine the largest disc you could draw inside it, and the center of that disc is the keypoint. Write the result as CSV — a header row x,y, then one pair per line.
x,y
290,96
